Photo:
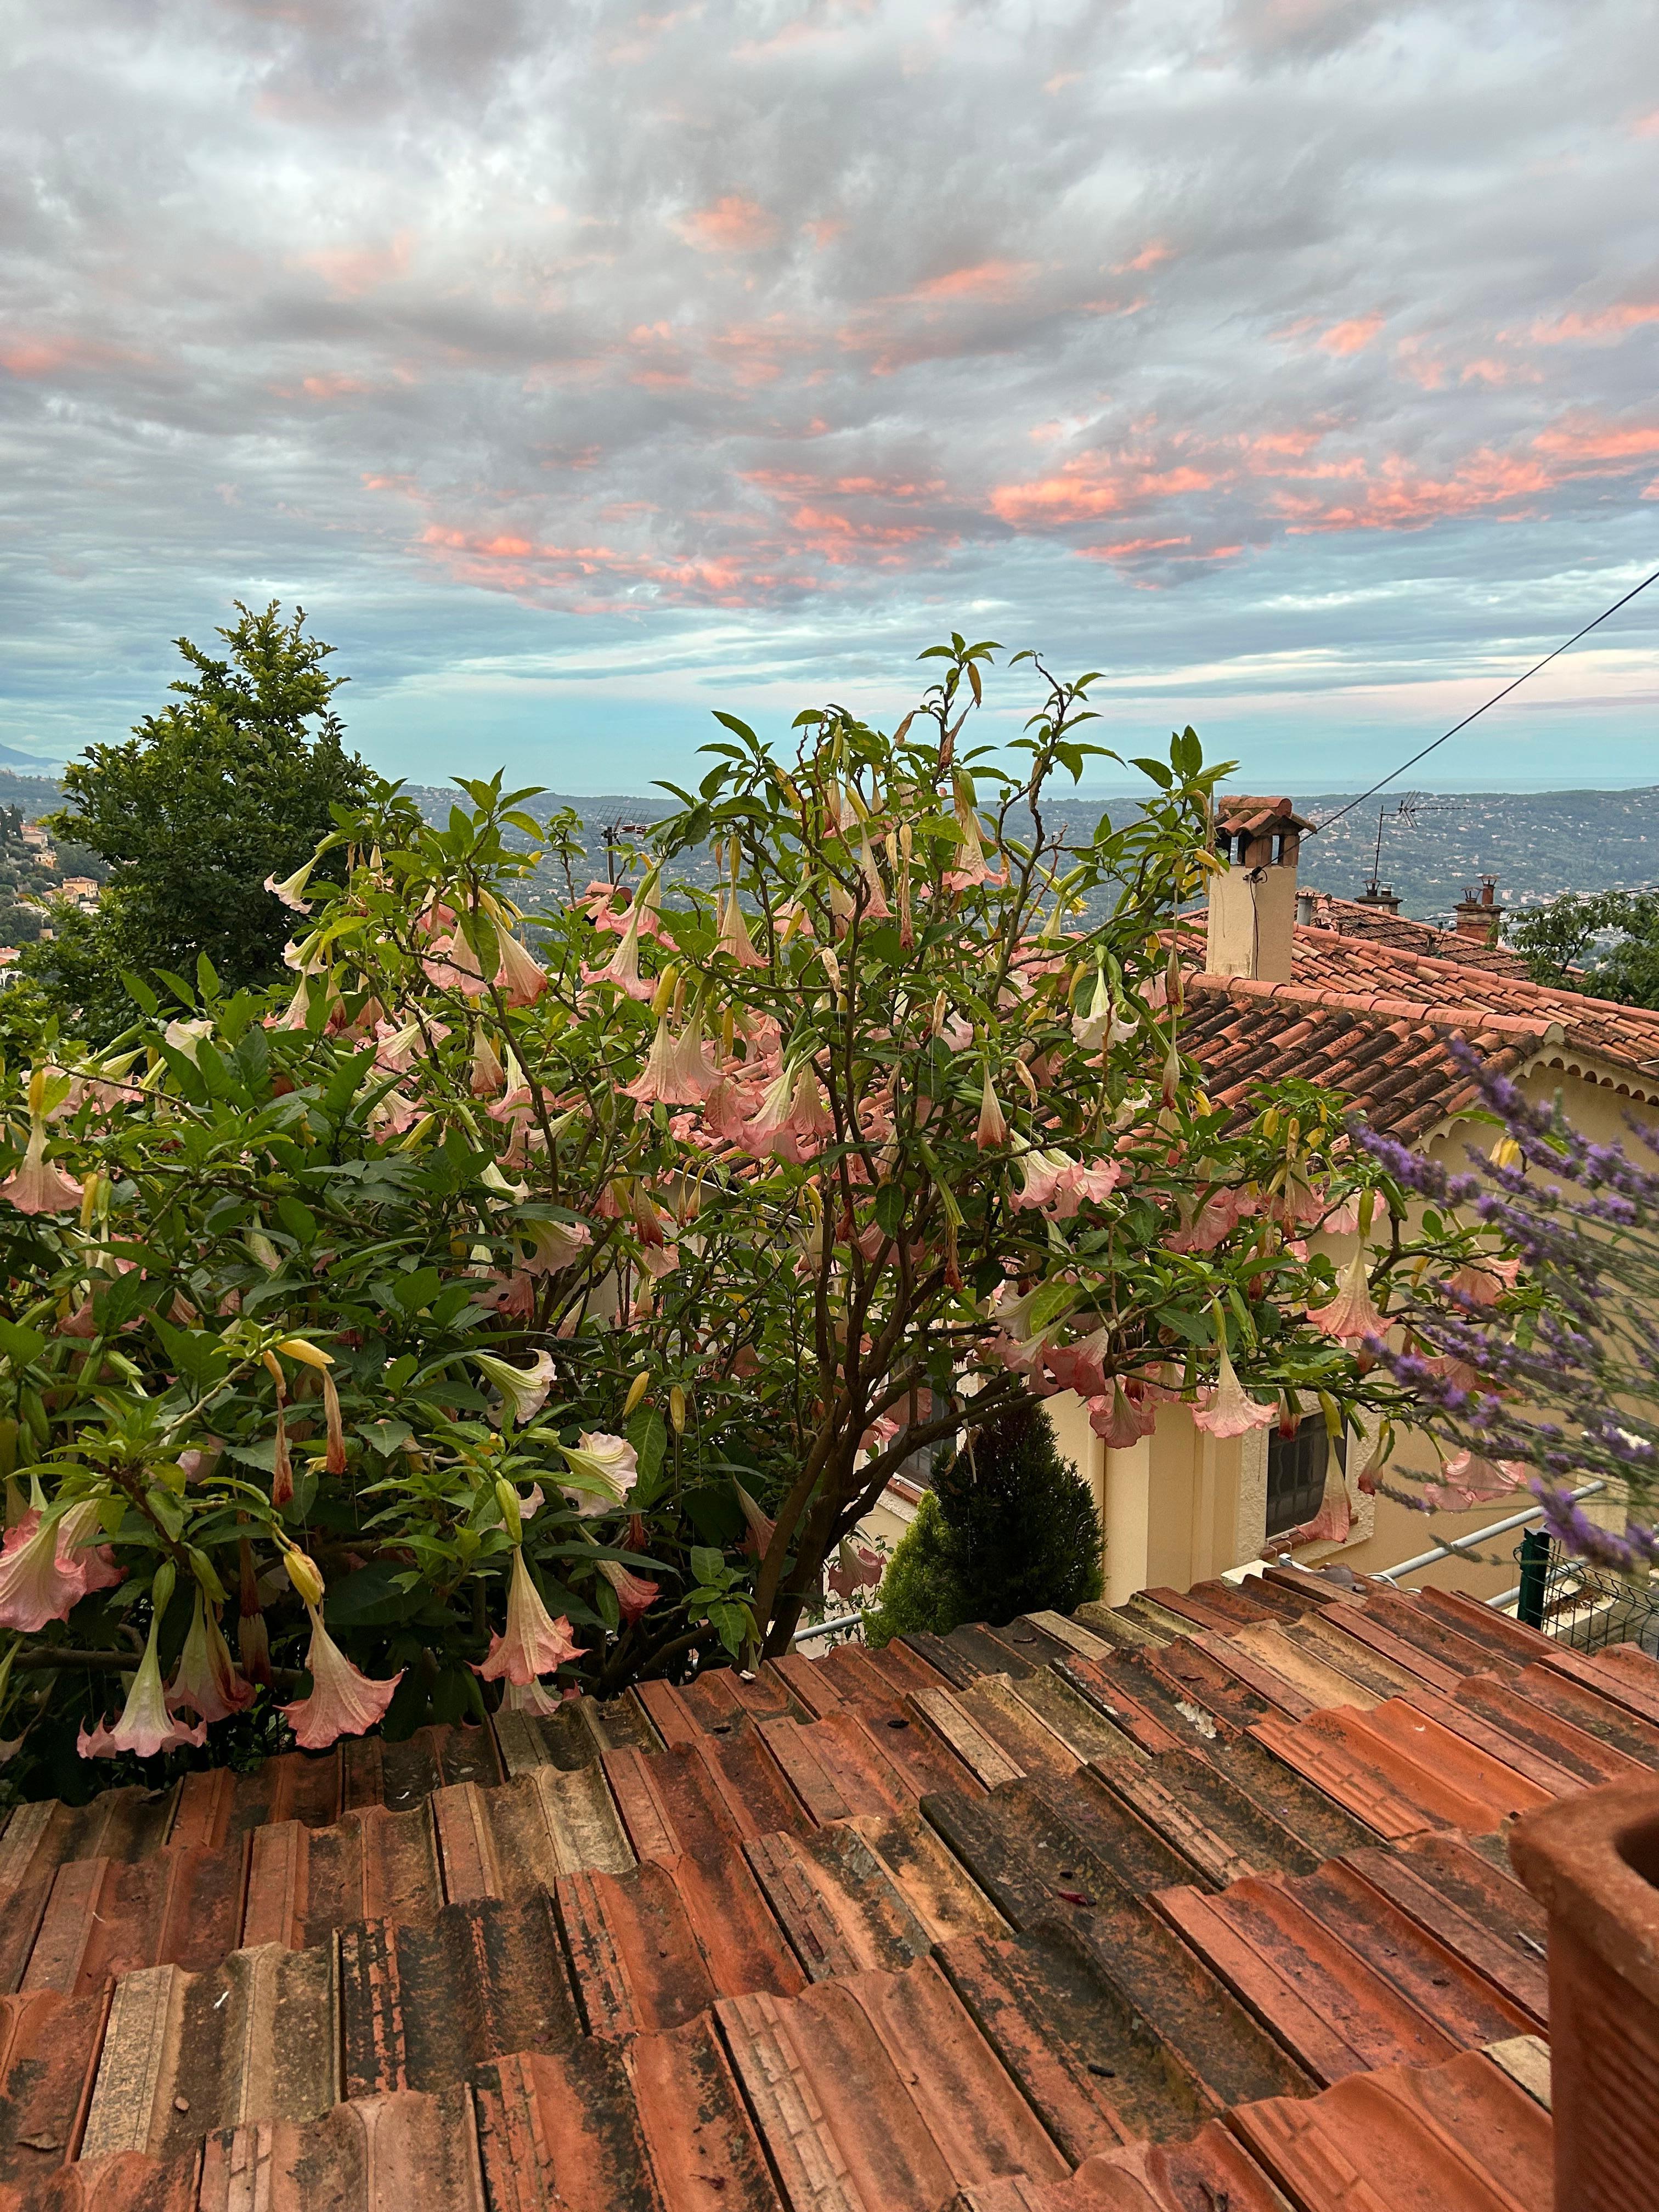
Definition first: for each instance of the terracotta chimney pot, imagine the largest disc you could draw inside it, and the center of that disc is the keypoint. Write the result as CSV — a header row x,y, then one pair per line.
x,y
1592,1863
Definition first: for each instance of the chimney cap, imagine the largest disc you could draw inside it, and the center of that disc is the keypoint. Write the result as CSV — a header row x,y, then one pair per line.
x,y
1234,812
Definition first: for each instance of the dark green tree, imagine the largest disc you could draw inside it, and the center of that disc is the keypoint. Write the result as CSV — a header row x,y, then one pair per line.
x,y
230,783
919,1590
1023,1535
1606,943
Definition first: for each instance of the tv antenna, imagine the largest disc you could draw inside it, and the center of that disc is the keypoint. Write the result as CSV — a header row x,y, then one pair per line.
x,y
617,835
1404,815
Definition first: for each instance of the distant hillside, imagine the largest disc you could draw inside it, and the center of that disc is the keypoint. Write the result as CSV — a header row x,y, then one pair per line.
x,y
1537,843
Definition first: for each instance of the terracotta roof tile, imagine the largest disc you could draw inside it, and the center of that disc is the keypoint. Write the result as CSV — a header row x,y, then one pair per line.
x,y
1371,1014
1003,1920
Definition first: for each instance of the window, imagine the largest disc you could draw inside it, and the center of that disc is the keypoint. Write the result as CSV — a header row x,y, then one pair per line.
x,y
1297,1467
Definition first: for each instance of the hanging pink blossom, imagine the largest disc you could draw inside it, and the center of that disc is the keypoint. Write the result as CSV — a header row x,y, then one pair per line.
x,y
534,1643
856,1568
35,1186
1469,1480
1228,1411
205,1679
635,1594
991,1132
734,939
343,1701
609,1466
1484,1282
762,1527
452,965
37,1584
1119,1421
1332,1524
519,978
1350,1313
623,969
554,1245
78,1547
145,1726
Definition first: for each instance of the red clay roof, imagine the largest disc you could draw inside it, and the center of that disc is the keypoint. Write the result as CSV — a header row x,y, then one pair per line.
x,y
1374,1020
1204,1899
1353,918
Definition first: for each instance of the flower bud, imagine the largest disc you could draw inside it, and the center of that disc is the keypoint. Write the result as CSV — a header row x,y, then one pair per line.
x,y
636,1391
312,1355
303,1573
677,1409
508,1498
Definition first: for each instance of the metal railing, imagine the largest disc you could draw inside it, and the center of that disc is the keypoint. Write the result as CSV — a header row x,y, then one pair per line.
x,y
830,1627
1456,1546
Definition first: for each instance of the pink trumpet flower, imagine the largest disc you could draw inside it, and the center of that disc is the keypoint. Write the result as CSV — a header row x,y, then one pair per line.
x,y
610,1467
534,1643
519,978
1469,1480
205,1679
1486,1281
37,1582
555,1245
762,1527
770,1131
1350,1313
636,1595
856,1568
35,1186
452,965
145,1726
1230,1412
343,1701
875,909
623,969
809,1110
335,1462
991,1132
1120,1421
488,1077
734,939
78,1532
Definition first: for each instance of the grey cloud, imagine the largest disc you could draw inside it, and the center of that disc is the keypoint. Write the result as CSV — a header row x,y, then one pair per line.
x,y
1224,327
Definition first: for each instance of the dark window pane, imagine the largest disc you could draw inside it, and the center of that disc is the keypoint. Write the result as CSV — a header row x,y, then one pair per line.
x,y
1297,1467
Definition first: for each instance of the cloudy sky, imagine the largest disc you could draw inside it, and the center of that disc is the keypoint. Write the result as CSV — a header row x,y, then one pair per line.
x,y
581,367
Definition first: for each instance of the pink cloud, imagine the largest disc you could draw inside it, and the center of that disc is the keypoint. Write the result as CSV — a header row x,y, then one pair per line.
x,y
1598,441
984,280
1605,323
732,225
333,387
1126,548
351,271
1148,257
1353,336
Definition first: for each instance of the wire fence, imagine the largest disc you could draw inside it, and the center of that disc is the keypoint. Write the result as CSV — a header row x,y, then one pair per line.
x,y
1589,1607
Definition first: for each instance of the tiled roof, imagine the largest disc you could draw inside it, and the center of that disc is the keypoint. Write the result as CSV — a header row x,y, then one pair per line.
x,y
1200,1901
1393,1063
1354,918
1374,1020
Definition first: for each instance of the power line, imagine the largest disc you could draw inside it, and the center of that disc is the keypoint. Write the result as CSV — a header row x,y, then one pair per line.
x,y
1493,701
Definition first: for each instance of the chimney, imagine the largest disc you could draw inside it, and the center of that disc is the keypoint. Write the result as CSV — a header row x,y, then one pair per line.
x,y
1479,914
1252,893
1593,1863
1382,896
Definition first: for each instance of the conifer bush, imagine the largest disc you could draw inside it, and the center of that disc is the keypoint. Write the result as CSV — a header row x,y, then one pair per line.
x,y
1022,1535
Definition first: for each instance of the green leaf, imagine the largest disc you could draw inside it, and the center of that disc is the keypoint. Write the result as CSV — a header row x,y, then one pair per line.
x,y
649,1434
708,1565
415,1291
890,1208
737,728
20,1345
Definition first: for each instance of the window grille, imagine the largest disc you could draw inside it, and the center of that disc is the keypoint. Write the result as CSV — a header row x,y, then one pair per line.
x,y
1296,1468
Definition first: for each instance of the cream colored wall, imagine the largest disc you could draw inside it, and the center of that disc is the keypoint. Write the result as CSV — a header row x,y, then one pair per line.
x,y
1180,1507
